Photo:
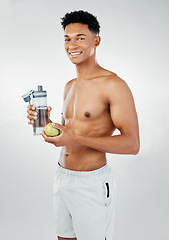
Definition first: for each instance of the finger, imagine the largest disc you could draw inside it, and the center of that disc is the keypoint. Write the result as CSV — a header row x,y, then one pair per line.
x,y
31,117
43,135
31,107
48,139
49,109
33,112
31,122
57,125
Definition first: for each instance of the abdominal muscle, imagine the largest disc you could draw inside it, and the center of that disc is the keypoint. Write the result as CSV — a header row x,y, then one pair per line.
x,y
83,158
80,158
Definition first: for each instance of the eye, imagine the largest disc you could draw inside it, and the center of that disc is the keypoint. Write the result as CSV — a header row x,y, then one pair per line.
x,y
67,40
81,38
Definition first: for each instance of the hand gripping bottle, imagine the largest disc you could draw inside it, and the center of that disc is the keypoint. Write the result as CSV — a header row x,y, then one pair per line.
x,y
39,100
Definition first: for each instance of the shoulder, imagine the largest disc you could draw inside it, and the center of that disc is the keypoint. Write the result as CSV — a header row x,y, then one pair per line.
x,y
68,87
116,88
112,79
69,83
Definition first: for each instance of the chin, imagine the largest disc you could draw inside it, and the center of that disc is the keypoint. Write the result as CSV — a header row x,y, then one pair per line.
x,y
74,61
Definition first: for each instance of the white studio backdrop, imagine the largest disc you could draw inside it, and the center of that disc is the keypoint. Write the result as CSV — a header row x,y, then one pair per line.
x,y
134,45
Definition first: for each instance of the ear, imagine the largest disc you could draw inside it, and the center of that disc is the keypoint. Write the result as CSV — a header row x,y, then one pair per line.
x,y
97,41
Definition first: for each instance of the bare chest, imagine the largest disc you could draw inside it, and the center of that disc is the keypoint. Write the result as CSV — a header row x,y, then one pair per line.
x,y
85,103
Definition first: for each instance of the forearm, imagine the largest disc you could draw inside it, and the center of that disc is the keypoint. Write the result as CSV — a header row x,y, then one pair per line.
x,y
119,144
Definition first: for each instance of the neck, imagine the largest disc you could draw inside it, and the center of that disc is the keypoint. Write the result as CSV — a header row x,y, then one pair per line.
x,y
87,69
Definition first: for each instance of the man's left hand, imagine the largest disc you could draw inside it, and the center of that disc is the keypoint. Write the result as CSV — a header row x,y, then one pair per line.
x,y
65,138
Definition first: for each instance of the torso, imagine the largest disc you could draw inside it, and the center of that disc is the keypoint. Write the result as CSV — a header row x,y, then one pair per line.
x,y
86,111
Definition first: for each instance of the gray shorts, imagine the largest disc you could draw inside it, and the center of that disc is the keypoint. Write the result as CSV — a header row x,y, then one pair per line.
x,y
84,203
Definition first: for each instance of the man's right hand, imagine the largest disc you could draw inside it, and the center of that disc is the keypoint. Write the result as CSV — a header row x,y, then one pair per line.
x,y
33,115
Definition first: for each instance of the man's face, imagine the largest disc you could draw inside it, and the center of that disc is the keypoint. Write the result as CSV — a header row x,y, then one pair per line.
x,y
80,42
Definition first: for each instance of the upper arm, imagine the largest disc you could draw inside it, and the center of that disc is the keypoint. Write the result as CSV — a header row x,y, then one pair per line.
x,y
122,108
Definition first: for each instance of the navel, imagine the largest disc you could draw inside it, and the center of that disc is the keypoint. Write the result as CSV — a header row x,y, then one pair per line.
x,y
66,155
87,114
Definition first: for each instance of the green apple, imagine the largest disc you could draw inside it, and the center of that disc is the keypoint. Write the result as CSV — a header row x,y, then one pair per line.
x,y
50,131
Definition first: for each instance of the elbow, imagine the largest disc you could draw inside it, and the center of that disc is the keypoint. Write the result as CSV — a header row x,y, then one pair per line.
x,y
133,145
135,148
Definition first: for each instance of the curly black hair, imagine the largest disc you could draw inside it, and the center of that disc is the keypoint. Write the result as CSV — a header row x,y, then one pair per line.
x,y
83,17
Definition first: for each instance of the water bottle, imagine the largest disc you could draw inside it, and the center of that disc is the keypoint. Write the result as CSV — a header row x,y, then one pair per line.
x,y
39,100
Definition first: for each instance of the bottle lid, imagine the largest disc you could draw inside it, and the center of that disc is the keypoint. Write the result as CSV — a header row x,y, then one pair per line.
x,y
40,92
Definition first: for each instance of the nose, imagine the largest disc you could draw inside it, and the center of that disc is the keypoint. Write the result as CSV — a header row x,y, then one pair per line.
x,y
73,45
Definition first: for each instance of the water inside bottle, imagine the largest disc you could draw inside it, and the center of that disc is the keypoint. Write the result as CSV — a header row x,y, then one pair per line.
x,y
41,122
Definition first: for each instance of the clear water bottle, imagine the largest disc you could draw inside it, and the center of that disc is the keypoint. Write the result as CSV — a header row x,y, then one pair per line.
x,y
39,100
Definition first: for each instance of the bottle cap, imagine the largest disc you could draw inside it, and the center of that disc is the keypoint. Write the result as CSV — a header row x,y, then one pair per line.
x,y
40,92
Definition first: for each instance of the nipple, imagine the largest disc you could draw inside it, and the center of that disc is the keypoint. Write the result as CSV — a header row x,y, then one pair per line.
x,y
87,114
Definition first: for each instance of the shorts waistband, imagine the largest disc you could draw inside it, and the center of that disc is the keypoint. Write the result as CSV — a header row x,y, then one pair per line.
x,y
96,172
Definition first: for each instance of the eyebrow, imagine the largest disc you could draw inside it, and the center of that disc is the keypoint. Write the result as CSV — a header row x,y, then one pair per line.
x,y
78,35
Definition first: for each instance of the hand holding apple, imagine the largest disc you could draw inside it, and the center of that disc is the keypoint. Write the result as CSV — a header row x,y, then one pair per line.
x,y
66,136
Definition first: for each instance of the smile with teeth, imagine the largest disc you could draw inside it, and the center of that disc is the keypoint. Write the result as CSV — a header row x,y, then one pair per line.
x,y
74,54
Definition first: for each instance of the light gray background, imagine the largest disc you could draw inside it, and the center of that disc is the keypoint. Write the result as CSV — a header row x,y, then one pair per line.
x,y
134,45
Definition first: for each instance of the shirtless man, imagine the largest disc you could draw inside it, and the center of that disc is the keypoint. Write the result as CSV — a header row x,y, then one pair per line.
x,y
95,104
